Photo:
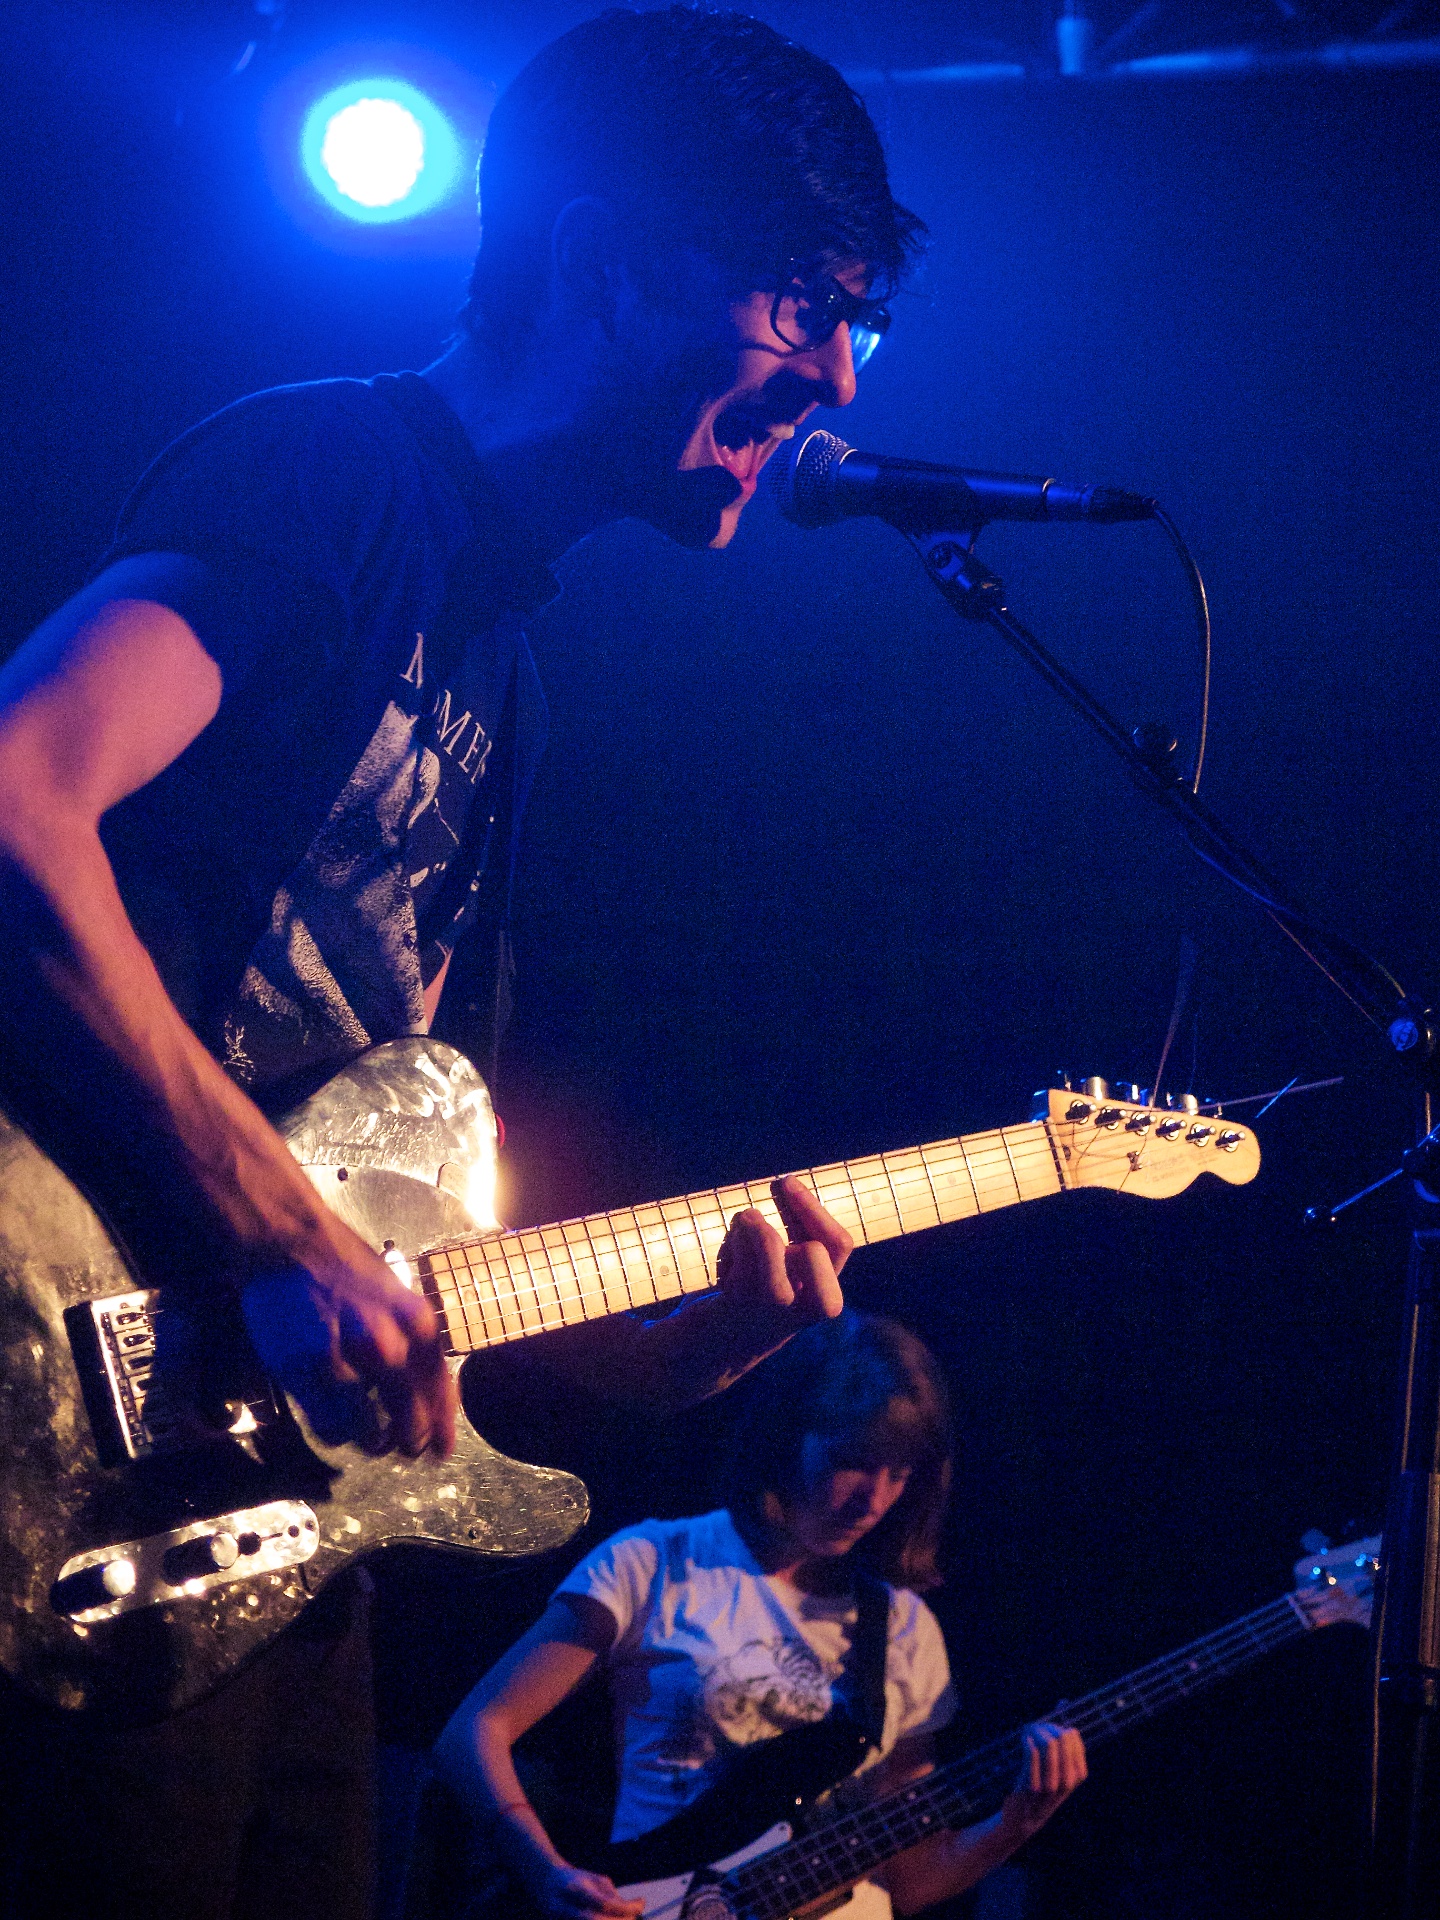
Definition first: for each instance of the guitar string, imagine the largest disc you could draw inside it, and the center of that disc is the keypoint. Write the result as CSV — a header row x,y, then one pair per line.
x,y
527,1298
906,1816
889,1167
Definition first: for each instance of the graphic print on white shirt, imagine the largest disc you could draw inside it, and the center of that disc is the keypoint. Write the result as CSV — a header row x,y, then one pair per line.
x,y
766,1687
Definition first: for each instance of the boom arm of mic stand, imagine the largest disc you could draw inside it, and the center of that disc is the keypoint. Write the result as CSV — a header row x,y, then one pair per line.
x,y
977,593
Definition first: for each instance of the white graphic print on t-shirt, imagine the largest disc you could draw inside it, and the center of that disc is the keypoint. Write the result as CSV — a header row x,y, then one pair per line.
x,y
765,1687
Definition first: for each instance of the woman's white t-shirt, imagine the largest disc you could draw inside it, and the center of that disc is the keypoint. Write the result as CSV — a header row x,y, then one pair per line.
x,y
711,1651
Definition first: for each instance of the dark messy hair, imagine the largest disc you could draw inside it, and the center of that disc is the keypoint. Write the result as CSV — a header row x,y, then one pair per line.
x,y
872,1393
699,128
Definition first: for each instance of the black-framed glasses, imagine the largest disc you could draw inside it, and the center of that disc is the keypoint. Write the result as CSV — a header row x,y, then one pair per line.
x,y
808,308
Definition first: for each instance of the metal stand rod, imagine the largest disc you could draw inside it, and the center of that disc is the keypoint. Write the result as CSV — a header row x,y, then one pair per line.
x,y
1405,1784
1405,1801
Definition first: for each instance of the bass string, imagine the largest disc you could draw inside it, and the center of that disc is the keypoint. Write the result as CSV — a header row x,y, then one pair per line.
x,y
900,1819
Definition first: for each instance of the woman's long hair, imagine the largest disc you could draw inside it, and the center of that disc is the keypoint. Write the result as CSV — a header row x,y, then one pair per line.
x,y
872,1393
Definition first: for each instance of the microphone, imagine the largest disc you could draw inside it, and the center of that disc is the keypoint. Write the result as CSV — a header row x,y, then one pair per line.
x,y
826,479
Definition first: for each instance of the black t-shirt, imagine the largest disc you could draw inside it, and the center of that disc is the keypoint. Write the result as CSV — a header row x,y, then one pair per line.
x,y
301,871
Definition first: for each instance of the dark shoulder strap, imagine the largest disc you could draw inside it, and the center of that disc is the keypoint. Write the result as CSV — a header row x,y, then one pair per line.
x,y
866,1675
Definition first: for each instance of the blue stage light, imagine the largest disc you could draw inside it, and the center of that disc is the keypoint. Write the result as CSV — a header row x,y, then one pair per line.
x,y
379,150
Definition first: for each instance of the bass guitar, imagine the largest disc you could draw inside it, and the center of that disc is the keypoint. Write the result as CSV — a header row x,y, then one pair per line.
x,y
801,1863
140,1564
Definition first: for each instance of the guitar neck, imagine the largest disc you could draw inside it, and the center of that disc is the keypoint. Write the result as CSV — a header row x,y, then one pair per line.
x,y
505,1286
842,1850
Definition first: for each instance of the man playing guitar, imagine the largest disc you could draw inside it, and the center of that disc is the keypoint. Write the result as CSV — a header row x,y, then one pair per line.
x,y
260,775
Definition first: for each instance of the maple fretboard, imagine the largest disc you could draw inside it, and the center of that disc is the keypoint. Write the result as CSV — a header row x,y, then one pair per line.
x,y
505,1286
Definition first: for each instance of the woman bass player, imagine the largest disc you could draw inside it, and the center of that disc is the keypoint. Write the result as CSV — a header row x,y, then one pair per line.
x,y
793,1608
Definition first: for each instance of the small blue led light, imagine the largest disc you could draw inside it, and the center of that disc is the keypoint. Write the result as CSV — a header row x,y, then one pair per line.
x,y
379,150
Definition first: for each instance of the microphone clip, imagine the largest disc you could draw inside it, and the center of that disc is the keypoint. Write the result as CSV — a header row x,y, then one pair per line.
x,y
969,585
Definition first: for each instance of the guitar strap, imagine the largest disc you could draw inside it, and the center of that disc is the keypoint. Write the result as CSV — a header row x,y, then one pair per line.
x,y
866,1674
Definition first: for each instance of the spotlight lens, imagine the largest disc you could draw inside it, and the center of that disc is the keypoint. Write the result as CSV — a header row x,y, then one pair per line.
x,y
379,150
374,151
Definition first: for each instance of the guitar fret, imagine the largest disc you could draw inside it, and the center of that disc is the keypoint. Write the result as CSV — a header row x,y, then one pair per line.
x,y
962,1202
703,1262
487,1306
506,1285
914,1195
472,1301
528,1299
563,1278
601,1291
582,1257
542,1277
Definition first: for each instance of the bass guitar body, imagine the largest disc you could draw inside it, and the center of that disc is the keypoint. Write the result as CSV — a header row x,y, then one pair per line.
x,y
144,1556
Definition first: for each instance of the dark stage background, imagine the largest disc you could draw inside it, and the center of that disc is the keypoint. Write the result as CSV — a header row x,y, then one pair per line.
x,y
814,869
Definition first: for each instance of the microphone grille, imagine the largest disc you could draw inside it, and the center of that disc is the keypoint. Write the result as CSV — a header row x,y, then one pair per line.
x,y
801,484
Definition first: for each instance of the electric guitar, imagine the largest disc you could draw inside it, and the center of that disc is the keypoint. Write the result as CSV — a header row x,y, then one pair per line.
x,y
140,1564
787,1871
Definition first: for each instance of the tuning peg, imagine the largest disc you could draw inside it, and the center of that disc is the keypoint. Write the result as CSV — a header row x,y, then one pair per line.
x,y
1128,1091
1063,1081
1095,1088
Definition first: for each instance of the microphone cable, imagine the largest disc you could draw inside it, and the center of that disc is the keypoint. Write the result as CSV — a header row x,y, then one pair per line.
x,y
1202,618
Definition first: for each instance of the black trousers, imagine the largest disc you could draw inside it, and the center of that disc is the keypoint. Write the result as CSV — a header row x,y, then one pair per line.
x,y
258,1804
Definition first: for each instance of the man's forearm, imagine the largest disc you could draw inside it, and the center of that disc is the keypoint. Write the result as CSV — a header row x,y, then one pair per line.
x,y
103,1067
663,1365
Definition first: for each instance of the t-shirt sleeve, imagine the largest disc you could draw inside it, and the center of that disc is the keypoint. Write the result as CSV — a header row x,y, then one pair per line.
x,y
283,499
919,1696
623,1574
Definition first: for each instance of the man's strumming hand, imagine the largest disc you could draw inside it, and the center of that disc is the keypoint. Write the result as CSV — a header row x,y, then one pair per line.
x,y
358,1350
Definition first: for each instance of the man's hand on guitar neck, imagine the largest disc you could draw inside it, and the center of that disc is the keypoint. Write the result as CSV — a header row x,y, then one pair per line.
x,y
776,1285
768,1289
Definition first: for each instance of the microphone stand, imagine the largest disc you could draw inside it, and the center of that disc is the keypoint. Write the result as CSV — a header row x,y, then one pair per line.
x,y
1405,1781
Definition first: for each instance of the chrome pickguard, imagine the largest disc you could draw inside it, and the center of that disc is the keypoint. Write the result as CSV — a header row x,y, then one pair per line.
x,y
401,1144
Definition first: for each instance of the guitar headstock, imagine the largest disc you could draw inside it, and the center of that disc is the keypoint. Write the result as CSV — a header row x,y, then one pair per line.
x,y
1150,1151
1338,1584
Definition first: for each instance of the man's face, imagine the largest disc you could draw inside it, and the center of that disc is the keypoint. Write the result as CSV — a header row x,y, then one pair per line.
x,y
726,392
775,386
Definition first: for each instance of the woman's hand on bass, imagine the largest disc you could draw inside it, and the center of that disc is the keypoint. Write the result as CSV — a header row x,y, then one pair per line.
x,y
1052,1767
563,1892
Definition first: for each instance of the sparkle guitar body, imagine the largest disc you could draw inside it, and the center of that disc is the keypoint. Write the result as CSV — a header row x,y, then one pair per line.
x,y
93,1471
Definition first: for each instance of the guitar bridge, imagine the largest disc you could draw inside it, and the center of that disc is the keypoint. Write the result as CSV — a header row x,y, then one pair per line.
x,y
113,1341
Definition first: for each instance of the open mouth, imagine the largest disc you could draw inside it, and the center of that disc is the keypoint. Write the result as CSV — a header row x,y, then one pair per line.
x,y
745,440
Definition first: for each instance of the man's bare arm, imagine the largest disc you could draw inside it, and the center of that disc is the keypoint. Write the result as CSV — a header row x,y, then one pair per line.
x,y
100,700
